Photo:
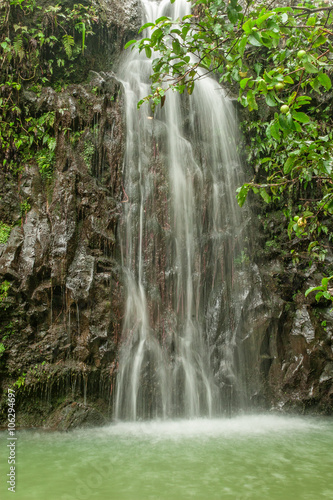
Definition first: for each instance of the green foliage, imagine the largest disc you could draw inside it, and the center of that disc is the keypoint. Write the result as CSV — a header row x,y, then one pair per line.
x,y
4,287
242,259
37,48
323,290
33,39
20,381
25,207
45,163
4,232
37,372
68,42
7,331
89,150
279,58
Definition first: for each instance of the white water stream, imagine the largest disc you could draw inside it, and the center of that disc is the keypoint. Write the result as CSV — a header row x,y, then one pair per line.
x,y
180,238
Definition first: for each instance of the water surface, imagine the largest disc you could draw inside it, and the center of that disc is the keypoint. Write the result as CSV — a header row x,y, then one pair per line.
x,y
246,457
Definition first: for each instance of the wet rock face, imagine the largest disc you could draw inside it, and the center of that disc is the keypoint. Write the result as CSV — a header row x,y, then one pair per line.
x,y
63,306
61,317
71,415
300,345
302,325
121,21
300,377
126,14
283,349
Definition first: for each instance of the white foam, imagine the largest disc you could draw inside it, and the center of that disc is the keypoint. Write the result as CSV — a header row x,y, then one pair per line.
x,y
245,425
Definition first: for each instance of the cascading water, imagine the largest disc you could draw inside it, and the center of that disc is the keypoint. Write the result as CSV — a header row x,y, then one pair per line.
x,y
180,237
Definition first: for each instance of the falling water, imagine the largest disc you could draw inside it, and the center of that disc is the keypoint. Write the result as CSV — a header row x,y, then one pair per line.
x,y
180,238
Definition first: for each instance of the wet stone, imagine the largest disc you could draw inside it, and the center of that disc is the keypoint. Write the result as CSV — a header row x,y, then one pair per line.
x,y
303,325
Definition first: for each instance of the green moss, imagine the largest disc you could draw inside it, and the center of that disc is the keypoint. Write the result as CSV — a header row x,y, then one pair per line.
x,y
5,231
4,287
89,150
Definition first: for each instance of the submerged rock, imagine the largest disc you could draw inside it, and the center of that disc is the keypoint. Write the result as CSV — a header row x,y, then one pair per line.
x,y
74,415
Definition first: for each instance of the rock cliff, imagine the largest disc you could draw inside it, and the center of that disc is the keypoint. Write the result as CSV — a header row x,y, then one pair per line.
x,y
62,298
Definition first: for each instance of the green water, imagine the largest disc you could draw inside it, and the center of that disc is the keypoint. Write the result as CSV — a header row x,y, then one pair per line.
x,y
247,457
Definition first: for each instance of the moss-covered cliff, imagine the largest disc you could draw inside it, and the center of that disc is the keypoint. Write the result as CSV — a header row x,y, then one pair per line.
x,y
61,296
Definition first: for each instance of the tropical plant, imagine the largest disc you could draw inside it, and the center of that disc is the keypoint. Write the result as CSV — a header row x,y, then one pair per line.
x,y
5,231
278,59
37,48
322,290
20,381
4,287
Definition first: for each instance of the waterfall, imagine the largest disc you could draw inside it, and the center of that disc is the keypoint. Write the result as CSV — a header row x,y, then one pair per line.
x,y
180,238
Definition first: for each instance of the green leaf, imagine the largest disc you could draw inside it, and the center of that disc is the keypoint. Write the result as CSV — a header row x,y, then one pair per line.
x,y
255,39
148,51
311,21
68,42
298,128
313,289
244,82
140,103
162,19
288,165
324,80
156,36
303,99
263,18
257,68
247,27
284,123
145,26
324,282
251,100
319,41
242,45
271,34
176,47
301,117
287,79
270,101
242,194
274,130
265,195
232,14
128,44
282,9
310,68
315,84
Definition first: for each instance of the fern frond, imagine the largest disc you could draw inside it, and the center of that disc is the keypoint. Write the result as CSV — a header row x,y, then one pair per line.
x,y
18,47
68,42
